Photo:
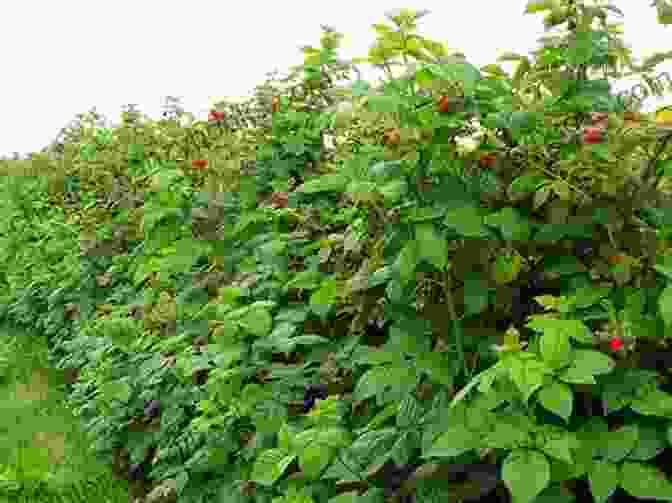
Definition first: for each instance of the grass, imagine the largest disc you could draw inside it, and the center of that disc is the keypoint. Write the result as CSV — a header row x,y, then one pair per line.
x,y
45,457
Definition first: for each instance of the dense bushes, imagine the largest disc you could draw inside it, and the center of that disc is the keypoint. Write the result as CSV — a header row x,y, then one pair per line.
x,y
424,318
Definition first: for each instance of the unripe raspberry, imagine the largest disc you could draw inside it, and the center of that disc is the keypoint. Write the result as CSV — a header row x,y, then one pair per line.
x,y
599,118
279,199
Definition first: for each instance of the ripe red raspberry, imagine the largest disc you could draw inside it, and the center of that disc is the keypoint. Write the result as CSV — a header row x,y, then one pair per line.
x,y
616,343
215,116
593,135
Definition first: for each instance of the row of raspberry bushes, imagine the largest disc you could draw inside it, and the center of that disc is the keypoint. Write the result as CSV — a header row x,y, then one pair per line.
x,y
306,345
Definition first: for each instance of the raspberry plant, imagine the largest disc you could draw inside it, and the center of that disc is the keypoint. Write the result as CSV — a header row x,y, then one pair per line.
x,y
445,272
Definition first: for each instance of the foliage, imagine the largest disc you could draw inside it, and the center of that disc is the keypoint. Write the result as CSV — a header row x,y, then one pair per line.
x,y
257,316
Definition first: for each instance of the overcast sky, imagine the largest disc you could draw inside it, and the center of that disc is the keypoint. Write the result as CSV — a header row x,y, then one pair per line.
x,y
62,58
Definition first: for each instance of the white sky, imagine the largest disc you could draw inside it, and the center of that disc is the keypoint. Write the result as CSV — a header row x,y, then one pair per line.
x,y
62,58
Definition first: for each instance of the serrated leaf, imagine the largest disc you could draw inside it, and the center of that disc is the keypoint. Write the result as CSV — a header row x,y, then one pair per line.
x,y
407,261
654,403
644,481
526,473
604,478
453,442
431,246
325,183
257,321
525,184
528,375
651,443
409,412
665,305
558,447
555,348
620,442
270,465
587,361
558,399
466,221
323,299
510,223
506,434
373,382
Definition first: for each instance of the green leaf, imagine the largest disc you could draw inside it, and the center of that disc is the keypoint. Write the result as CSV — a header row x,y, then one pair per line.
x,y
374,356
382,104
453,442
527,374
587,296
526,473
284,438
386,169
620,442
409,337
466,221
409,412
431,246
407,261
305,280
563,265
665,305
349,497
663,12
270,465
404,378
506,268
573,375
456,71
373,382
604,478
557,398
116,390
511,224
526,184
654,403
506,434
229,295
644,481
558,447
389,411
575,329
372,444
437,366
323,299
325,183
314,458
258,321
651,442
555,348
475,295
587,361
392,191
